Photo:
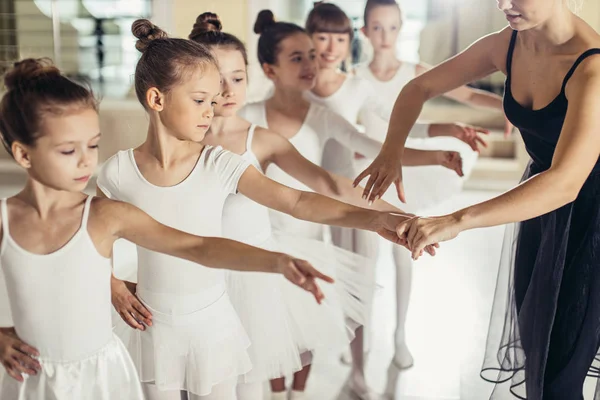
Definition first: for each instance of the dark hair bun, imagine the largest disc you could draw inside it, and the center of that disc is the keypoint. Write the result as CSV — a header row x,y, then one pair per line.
x,y
205,23
24,72
145,31
208,22
264,20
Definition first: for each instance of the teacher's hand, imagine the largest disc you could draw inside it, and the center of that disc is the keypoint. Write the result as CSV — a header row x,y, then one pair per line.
x,y
422,232
383,171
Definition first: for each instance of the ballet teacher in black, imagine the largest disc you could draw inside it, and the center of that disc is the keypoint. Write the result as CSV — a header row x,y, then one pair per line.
x,y
545,331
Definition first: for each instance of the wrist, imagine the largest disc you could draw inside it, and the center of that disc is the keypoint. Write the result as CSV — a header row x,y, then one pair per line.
x,y
464,219
435,130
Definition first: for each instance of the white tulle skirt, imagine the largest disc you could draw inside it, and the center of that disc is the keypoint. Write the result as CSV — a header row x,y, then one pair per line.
x,y
109,374
191,345
284,321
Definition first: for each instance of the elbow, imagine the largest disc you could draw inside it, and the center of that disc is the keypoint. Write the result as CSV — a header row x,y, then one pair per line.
x,y
417,89
568,185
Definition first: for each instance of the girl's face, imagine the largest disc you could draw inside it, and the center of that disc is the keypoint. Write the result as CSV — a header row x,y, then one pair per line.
x,y
296,67
331,49
234,80
383,27
65,156
188,109
527,14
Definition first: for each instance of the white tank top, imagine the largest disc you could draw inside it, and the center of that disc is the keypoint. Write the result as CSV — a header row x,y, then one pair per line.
x,y
195,205
320,125
60,302
243,219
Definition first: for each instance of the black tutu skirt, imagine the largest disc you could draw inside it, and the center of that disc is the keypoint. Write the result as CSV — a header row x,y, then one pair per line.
x,y
544,330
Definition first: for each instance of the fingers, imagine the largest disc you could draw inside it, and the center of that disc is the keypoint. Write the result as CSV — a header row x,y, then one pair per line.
x,y
362,176
27,349
369,185
130,320
141,312
480,141
25,364
310,285
308,269
400,190
13,372
384,180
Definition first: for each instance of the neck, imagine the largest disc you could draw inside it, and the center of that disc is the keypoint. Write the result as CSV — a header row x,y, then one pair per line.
x,y
288,99
555,32
166,148
45,199
223,125
384,61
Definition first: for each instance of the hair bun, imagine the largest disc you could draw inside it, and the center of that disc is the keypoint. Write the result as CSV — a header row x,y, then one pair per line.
x,y
145,31
206,22
264,20
24,72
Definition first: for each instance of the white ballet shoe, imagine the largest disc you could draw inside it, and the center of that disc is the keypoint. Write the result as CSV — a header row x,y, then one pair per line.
x,y
279,395
297,395
403,359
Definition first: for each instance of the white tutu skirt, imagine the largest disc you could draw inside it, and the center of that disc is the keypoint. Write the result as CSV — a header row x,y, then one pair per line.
x,y
284,321
325,327
109,374
191,345
428,186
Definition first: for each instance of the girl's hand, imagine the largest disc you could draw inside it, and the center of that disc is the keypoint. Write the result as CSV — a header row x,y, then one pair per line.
x,y
301,274
389,224
451,160
17,356
131,310
466,133
421,232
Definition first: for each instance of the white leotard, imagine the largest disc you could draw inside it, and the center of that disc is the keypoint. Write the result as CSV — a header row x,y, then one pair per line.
x,y
61,305
320,125
195,206
196,340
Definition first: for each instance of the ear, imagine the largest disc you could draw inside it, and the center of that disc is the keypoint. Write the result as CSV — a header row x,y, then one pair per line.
x,y
21,154
269,71
155,99
364,31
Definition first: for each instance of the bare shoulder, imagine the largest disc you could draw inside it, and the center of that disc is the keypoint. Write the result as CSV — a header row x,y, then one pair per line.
x,y
109,213
586,78
498,44
268,139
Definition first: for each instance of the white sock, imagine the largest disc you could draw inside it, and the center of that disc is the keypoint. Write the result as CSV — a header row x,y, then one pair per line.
x,y
279,395
296,395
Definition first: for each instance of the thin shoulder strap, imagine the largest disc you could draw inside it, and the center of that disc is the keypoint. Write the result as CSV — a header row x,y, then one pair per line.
x,y
511,50
86,212
250,137
579,60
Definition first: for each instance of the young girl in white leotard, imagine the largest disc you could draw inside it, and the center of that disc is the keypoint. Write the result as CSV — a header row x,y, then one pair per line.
x,y
195,342
359,101
270,316
56,247
287,56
